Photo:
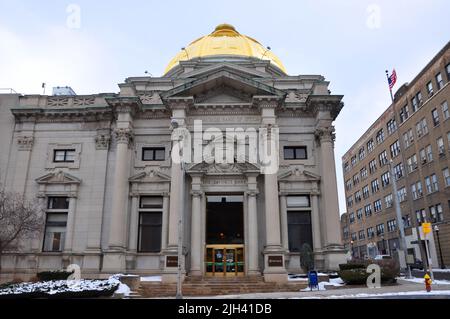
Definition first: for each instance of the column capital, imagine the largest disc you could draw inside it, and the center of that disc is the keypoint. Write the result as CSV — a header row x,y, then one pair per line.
x,y
25,143
252,193
102,141
196,193
325,134
124,135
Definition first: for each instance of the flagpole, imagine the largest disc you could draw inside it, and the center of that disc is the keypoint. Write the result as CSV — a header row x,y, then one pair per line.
x,y
390,90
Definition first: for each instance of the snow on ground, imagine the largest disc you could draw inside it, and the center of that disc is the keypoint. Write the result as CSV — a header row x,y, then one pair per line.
x,y
422,281
441,270
123,290
151,278
381,295
333,282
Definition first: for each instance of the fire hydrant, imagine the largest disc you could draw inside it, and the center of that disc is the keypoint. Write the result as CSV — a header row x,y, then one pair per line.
x,y
427,282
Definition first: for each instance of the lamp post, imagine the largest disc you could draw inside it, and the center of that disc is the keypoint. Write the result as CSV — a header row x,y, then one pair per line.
x,y
436,229
351,248
403,259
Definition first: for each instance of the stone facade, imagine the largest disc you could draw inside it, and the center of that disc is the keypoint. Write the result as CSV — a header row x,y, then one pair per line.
x,y
423,153
106,135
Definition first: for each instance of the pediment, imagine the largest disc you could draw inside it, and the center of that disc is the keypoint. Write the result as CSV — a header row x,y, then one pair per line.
x,y
223,168
298,174
59,177
225,66
222,78
152,176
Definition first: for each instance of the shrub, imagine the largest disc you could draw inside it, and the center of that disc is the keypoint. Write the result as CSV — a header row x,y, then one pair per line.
x,y
351,266
53,275
355,273
307,258
355,276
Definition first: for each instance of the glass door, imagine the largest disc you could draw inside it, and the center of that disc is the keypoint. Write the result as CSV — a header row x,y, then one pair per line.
x,y
224,260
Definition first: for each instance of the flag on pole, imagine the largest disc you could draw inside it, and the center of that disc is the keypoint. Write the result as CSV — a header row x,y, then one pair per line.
x,y
392,79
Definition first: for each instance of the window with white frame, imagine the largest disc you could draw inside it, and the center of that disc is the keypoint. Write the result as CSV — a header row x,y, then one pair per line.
x,y
372,166
375,186
366,192
354,237
363,173
430,88
385,179
422,127
361,235
380,136
416,190
383,158
370,146
421,216
406,221
354,160
408,138
368,210
395,149
350,201
358,196
348,185
440,145
398,171
351,218
434,183
377,206
355,179
380,229
429,151
391,126
439,81
370,232
445,111
404,113
436,213
389,201
402,194
423,156
359,214
428,184
362,153
435,116
412,163
56,224
392,225
446,175
64,155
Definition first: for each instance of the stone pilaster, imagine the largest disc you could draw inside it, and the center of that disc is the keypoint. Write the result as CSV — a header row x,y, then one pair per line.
x,y
284,222
196,229
252,227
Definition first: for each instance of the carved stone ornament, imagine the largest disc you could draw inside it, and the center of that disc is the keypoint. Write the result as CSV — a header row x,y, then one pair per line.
x,y
25,143
102,141
124,135
325,134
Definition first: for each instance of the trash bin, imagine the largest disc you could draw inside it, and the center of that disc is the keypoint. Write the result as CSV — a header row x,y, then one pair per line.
x,y
313,280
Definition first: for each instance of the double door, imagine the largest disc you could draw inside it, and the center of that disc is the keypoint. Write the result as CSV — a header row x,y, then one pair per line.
x,y
224,260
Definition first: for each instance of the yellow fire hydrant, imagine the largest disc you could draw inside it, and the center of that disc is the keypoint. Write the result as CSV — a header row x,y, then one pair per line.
x,y
427,282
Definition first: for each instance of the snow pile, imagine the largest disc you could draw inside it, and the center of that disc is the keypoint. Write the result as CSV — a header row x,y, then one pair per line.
x,y
422,281
63,288
151,278
333,282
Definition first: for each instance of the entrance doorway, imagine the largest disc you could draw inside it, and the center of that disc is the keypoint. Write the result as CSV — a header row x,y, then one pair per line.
x,y
224,236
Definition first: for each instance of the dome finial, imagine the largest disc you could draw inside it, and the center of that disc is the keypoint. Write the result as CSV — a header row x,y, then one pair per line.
x,y
225,27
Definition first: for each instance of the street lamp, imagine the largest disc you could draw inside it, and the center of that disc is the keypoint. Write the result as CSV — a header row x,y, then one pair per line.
x,y
436,229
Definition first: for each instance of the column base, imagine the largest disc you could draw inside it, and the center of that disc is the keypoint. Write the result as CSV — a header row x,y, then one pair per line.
x,y
114,262
333,256
275,265
172,278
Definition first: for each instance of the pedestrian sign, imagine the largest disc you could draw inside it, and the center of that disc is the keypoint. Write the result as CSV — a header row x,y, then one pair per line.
x,y
426,228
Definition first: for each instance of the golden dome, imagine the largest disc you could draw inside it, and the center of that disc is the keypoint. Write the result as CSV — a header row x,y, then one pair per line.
x,y
225,40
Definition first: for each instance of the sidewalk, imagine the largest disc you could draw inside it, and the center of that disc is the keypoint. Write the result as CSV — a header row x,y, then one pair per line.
x,y
402,289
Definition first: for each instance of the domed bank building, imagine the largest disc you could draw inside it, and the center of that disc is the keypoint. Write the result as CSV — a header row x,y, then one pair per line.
x,y
102,166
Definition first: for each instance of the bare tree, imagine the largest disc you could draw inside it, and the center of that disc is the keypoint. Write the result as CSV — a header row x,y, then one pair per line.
x,y
19,219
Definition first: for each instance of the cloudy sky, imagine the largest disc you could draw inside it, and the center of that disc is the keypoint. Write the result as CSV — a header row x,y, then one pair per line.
x,y
93,45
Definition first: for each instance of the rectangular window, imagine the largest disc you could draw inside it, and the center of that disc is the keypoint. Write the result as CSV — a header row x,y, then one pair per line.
x,y
150,224
402,194
295,153
55,224
363,173
361,235
440,145
366,192
354,237
350,201
352,218
383,158
404,113
375,186
354,160
417,101
359,214
153,154
385,179
446,174
370,146
421,216
434,183
368,210
355,179
429,151
391,126
445,110
377,206
362,153
416,190
408,138
298,201
299,230
380,136
422,127
358,196
412,163
395,149
373,166
447,68
430,88
370,232
380,229
398,171
64,156
348,185
392,225
439,81
406,221
389,201
435,115
428,185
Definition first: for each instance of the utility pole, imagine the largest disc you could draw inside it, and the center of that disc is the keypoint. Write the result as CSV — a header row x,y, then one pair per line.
x,y
403,259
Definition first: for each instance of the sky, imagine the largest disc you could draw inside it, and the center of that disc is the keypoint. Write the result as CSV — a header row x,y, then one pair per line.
x,y
94,45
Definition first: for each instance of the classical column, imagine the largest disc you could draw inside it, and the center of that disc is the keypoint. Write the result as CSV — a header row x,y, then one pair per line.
x,y
284,222
196,233
134,223
332,247
117,229
175,205
70,226
252,249
330,214
165,221
315,218
273,236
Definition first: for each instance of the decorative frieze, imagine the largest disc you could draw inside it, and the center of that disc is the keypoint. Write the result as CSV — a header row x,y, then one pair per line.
x,y
25,143
102,141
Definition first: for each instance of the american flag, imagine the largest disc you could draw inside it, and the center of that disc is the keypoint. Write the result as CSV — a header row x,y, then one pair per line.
x,y
392,79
